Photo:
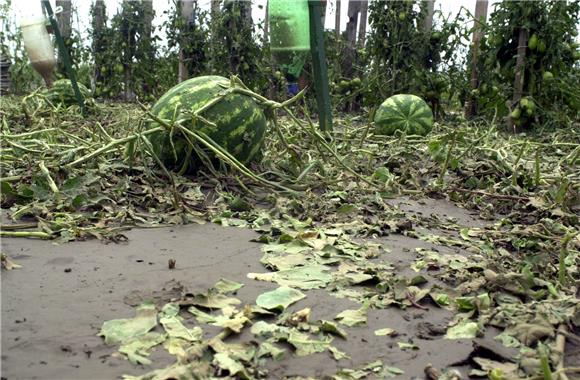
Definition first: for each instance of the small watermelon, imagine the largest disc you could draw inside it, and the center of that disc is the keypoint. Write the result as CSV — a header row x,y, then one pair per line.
x,y
241,123
408,113
62,92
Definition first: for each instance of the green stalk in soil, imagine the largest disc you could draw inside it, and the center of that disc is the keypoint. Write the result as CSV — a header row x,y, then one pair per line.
x,y
112,145
537,174
26,234
447,159
516,163
562,273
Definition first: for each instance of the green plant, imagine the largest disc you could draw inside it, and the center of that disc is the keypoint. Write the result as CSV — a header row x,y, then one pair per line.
x,y
403,58
551,79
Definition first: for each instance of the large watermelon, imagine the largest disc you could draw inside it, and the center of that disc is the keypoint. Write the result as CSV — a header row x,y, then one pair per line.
x,y
404,112
240,122
62,92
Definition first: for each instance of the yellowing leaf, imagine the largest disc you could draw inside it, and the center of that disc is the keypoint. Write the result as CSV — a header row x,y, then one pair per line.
x,y
385,332
465,329
353,317
137,349
119,330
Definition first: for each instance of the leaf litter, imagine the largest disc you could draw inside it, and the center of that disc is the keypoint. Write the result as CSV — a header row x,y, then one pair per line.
x,y
67,177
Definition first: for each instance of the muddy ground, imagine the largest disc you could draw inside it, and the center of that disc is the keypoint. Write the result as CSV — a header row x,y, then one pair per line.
x,y
54,306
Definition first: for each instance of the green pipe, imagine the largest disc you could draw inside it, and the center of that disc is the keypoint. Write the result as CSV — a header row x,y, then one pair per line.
x,y
62,50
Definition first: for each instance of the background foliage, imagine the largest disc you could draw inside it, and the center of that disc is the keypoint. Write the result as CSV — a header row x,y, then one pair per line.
x,y
126,58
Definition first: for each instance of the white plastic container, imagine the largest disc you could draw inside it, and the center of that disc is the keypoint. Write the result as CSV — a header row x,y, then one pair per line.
x,y
39,47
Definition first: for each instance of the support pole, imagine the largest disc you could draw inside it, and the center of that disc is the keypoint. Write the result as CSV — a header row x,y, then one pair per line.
x,y
319,66
337,19
479,21
519,77
63,52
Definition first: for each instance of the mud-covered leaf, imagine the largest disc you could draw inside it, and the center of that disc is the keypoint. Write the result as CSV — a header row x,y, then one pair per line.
x,y
465,329
279,299
385,332
352,317
226,286
306,277
332,328
172,323
138,349
337,354
119,330
305,345
211,300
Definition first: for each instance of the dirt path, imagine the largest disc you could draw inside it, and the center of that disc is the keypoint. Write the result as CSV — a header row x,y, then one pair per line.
x,y
53,307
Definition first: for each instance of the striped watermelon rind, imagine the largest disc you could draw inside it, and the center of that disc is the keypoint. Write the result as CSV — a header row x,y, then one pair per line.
x,y
62,92
241,123
404,112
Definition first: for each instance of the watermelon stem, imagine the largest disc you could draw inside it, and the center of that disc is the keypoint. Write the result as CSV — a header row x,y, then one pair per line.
x,y
220,152
112,145
447,158
322,141
147,144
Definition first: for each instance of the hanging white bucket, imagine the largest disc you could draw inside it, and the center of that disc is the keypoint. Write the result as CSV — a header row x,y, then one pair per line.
x,y
38,45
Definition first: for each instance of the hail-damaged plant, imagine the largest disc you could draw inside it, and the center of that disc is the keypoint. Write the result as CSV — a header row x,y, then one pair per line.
x,y
125,52
551,76
404,57
236,49
191,36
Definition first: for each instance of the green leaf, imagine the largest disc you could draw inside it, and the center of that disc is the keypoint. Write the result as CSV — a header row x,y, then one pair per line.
x,y
385,332
225,362
171,322
269,330
407,346
353,317
390,372
337,354
279,299
346,209
269,349
119,330
224,286
465,329
137,349
331,328
201,316
306,346
212,300
306,277
235,323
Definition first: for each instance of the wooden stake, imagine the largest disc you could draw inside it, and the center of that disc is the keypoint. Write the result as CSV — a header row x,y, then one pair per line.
x,y
337,19
186,14
362,28
519,77
351,27
480,18
428,23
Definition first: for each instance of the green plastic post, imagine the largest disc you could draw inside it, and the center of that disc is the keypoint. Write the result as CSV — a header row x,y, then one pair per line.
x,y
64,54
289,34
319,66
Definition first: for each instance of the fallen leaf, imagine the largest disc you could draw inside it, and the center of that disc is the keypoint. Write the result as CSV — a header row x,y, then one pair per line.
x,y
119,330
385,332
279,299
138,348
353,317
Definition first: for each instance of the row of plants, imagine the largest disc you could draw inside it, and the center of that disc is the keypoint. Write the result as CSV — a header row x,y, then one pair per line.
x,y
127,59
551,75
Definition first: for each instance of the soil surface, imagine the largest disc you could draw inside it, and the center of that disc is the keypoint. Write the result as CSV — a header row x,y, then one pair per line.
x,y
54,306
